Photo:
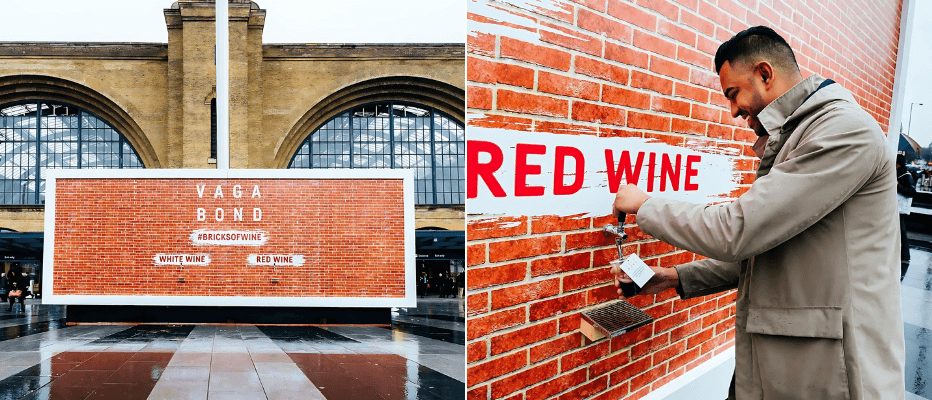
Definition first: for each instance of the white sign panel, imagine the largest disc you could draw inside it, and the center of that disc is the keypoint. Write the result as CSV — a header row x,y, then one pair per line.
x,y
181,259
511,173
276,259
229,238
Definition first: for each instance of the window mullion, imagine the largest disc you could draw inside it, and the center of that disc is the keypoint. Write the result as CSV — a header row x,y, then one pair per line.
x,y
120,152
391,135
433,164
351,140
38,149
80,161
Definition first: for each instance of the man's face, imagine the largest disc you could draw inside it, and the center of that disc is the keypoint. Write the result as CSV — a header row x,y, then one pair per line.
x,y
746,91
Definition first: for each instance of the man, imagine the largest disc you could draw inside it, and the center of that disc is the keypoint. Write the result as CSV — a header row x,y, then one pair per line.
x,y
16,283
812,247
422,285
905,191
441,284
3,287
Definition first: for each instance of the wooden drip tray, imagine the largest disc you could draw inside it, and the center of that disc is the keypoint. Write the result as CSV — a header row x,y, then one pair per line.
x,y
612,320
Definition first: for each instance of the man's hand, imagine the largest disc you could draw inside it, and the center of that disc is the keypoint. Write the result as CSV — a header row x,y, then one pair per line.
x,y
628,199
663,279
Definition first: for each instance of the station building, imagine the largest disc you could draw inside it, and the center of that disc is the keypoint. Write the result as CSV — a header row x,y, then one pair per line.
x,y
152,105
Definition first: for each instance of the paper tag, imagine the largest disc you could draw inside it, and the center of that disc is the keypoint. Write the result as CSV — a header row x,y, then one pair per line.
x,y
639,272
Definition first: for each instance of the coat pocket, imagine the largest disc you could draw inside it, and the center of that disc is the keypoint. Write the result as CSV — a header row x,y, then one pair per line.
x,y
798,353
800,322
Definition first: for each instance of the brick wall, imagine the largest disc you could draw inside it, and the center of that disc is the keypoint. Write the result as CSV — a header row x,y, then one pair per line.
x,y
635,69
350,232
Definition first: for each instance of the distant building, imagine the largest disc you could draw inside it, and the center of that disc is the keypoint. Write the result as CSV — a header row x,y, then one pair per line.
x,y
152,105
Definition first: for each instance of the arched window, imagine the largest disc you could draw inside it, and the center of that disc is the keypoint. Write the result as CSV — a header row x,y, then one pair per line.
x,y
394,135
38,135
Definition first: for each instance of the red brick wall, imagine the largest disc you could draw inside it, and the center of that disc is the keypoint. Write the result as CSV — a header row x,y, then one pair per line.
x,y
637,69
351,233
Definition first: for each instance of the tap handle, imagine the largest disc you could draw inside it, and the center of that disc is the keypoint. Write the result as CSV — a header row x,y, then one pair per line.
x,y
628,289
621,229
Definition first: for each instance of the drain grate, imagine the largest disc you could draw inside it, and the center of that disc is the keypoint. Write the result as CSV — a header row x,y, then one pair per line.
x,y
612,320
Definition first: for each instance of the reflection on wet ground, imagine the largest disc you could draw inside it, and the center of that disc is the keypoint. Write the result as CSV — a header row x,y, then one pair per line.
x,y
375,376
447,335
422,356
31,328
916,295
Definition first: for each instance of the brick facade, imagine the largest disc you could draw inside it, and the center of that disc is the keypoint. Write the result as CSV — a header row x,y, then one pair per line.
x,y
640,69
351,233
158,95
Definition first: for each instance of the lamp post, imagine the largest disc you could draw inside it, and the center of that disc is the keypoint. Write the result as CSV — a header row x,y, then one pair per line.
x,y
909,127
222,35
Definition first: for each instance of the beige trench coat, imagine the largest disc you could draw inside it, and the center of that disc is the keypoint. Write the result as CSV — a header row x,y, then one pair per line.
x,y
813,249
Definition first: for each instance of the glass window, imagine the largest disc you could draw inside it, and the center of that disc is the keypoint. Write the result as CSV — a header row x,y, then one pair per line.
x,y
394,135
38,135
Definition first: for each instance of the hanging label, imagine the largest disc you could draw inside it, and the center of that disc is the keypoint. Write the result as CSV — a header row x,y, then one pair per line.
x,y
639,272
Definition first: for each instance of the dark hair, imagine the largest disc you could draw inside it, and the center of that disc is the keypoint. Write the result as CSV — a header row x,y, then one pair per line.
x,y
901,159
758,41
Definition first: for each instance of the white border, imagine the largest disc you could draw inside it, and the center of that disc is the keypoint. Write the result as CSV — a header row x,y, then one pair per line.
x,y
899,78
692,375
406,175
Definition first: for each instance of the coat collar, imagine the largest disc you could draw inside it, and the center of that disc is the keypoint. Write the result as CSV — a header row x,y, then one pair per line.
x,y
776,114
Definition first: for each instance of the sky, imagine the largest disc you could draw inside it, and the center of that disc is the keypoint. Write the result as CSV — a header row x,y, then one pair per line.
x,y
287,21
918,87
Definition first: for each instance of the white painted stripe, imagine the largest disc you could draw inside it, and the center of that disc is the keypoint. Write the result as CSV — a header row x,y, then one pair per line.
x,y
920,210
911,396
228,238
694,374
181,259
698,173
276,259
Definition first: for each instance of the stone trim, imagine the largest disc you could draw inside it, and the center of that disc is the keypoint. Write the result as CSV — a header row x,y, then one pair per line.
x,y
364,51
19,208
98,51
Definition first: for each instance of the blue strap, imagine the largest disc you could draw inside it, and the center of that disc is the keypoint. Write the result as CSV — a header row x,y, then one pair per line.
x,y
824,84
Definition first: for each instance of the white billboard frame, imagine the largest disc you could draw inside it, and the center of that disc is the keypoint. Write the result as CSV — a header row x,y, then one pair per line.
x,y
406,175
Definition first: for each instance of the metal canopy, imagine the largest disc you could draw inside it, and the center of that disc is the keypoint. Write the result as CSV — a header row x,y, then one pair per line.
x,y
440,244
16,246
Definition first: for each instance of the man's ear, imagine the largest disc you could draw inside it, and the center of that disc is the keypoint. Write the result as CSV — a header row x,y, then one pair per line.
x,y
766,72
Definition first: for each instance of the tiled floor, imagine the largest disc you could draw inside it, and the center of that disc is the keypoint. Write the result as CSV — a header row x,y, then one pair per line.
x,y
916,295
422,356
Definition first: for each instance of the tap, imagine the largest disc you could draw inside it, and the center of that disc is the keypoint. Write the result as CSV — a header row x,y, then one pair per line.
x,y
617,231
628,289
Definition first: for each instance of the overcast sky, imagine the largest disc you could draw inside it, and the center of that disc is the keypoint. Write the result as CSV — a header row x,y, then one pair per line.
x,y
287,21
918,87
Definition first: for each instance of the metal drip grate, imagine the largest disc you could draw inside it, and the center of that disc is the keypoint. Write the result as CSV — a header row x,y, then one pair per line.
x,y
612,320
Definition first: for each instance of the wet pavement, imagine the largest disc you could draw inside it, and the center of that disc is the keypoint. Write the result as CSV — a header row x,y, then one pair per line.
x,y
916,295
421,356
